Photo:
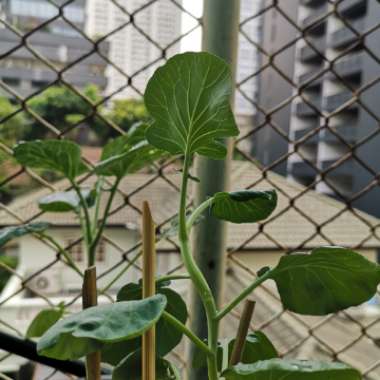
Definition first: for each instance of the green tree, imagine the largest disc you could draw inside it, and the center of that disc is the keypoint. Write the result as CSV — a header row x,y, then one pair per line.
x,y
62,108
12,125
124,113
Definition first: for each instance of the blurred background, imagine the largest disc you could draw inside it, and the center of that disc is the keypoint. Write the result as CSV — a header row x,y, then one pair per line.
x,y
307,92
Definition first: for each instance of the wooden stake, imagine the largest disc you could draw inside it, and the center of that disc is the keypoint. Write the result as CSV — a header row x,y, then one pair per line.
x,y
246,317
149,289
90,298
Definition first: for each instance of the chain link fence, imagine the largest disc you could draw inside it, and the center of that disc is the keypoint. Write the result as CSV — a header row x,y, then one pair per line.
x,y
306,105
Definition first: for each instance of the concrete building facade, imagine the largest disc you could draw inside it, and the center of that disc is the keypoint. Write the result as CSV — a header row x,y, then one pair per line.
x,y
337,107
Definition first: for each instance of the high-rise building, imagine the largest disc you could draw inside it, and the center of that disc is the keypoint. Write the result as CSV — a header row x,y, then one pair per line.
x,y
56,41
341,99
248,58
269,141
139,36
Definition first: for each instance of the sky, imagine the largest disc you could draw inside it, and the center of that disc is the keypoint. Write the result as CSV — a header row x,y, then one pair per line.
x,y
193,41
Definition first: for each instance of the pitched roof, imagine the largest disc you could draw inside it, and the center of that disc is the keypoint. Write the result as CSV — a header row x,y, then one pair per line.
x,y
293,223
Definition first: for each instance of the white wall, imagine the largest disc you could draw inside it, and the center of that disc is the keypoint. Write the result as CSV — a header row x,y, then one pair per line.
x,y
35,255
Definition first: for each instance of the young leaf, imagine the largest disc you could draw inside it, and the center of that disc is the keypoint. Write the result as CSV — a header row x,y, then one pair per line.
x,y
167,336
257,347
64,201
127,153
292,369
188,99
43,321
9,233
88,330
244,206
130,368
60,156
327,280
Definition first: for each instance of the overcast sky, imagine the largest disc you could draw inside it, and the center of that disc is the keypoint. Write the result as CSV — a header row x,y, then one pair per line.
x,y
193,41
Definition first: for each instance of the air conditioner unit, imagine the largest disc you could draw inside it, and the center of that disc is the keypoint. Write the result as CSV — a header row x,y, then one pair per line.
x,y
47,283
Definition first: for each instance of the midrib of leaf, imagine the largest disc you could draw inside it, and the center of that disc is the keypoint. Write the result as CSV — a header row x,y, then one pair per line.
x,y
191,121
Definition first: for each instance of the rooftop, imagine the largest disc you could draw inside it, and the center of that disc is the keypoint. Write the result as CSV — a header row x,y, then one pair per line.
x,y
293,224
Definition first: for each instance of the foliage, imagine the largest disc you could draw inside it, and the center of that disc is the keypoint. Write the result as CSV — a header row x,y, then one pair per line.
x,y
87,331
188,99
12,124
8,261
44,320
58,105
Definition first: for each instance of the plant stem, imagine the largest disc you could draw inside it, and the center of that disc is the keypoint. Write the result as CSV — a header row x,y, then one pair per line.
x,y
197,277
60,249
87,220
245,293
181,327
98,191
130,263
94,243
198,212
172,277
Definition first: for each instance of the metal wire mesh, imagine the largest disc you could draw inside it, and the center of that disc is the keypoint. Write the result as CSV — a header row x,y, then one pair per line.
x,y
307,72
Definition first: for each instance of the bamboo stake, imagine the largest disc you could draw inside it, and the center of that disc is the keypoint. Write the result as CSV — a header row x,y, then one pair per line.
x,y
90,298
238,348
149,289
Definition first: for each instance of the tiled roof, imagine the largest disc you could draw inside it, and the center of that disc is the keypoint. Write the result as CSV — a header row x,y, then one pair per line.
x,y
287,228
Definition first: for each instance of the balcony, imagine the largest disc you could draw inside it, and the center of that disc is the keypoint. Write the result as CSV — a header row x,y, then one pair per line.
x,y
345,36
300,133
315,15
301,169
303,109
345,169
308,54
348,67
305,78
312,3
347,133
333,102
352,8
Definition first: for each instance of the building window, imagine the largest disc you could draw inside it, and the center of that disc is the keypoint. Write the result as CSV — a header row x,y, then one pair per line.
x,y
75,250
101,251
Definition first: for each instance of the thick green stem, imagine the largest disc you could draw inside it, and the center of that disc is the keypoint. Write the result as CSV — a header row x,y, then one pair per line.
x,y
198,212
245,293
197,277
181,327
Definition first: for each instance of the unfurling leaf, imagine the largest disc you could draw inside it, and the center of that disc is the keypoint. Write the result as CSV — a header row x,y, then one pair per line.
x,y
326,281
9,233
189,101
89,330
60,156
292,370
43,321
244,206
127,154
167,337
65,201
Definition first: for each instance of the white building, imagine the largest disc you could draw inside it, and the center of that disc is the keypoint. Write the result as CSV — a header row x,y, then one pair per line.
x,y
248,58
138,37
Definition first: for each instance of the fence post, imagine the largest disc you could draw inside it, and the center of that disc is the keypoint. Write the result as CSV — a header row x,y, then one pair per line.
x,y
220,37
